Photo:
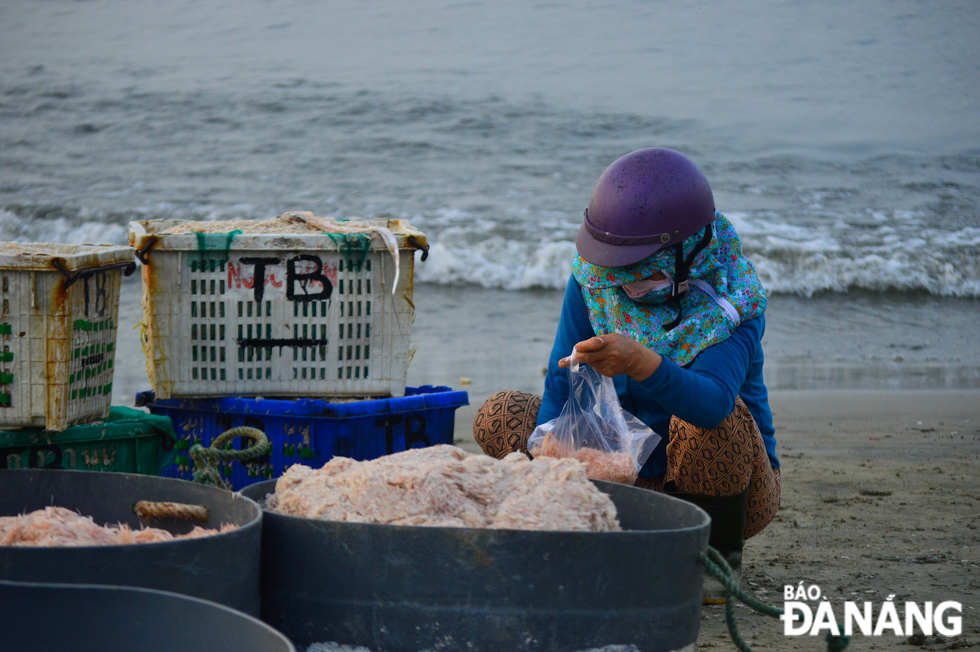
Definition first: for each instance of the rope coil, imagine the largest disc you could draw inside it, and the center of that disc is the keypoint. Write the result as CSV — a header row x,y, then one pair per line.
x,y
206,473
716,566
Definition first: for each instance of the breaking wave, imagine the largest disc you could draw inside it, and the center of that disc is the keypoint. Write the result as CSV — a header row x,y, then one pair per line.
x,y
789,258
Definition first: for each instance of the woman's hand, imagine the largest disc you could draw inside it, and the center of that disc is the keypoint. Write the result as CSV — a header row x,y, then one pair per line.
x,y
615,354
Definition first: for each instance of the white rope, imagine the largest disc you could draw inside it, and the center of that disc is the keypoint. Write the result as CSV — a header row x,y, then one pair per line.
x,y
329,225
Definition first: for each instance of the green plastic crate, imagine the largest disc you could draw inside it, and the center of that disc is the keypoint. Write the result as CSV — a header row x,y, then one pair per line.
x,y
128,441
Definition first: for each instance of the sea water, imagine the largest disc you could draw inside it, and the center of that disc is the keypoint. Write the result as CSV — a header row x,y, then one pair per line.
x,y
842,140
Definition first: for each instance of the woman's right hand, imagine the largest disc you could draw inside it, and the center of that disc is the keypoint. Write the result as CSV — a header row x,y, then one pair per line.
x,y
614,354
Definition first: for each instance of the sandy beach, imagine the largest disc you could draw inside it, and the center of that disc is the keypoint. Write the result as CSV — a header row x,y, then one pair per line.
x,y
879,497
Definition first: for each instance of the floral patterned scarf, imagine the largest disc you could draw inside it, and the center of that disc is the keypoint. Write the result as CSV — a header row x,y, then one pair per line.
x,y
704,321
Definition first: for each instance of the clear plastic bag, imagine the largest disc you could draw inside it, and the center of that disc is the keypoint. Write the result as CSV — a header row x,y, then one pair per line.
x,y
595,429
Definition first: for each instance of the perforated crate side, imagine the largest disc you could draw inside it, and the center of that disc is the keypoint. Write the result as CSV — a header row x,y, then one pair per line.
x,y
58,347
128,441
320,324
310,432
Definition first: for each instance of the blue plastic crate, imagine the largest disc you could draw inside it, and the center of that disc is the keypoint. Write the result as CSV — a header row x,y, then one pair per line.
x,y
309,431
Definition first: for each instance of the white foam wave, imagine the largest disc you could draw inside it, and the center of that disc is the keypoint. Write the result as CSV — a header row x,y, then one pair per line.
x,y
61,230
805,260
788,258
499,263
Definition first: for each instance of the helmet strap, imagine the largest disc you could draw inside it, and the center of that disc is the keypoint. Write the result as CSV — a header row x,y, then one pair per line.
x,y
681,268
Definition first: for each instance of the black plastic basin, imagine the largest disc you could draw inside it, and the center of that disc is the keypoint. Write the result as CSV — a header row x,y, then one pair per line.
x,y
223,568
403,589
112,618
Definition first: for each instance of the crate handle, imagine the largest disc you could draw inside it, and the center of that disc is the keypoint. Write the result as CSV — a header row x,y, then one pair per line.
x,y
145,249
154,510
424,248
206,473
70,277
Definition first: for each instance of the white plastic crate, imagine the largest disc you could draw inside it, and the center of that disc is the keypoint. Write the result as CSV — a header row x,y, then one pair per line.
x,y
323,322
60,309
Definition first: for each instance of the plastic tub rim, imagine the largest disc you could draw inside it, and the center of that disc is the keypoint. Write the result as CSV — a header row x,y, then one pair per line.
x,y
140,231
433,392
705,520
140,589
256,522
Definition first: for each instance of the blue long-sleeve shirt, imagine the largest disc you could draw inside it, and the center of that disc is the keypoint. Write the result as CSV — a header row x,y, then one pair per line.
x,y
702,393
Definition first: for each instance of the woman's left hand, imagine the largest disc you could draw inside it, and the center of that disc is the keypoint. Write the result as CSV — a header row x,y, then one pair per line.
x,y
614,354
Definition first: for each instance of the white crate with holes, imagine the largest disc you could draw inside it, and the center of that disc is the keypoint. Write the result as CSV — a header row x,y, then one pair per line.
x,y
59,309
301,313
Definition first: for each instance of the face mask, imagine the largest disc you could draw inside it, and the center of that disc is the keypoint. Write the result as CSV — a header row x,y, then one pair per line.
x,y
642,289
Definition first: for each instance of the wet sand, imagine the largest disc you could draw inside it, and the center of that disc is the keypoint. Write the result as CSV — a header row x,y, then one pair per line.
x,y
502,340
496,339
880,496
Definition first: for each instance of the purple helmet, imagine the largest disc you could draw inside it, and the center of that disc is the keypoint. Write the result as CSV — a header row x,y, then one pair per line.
x,y
645,201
